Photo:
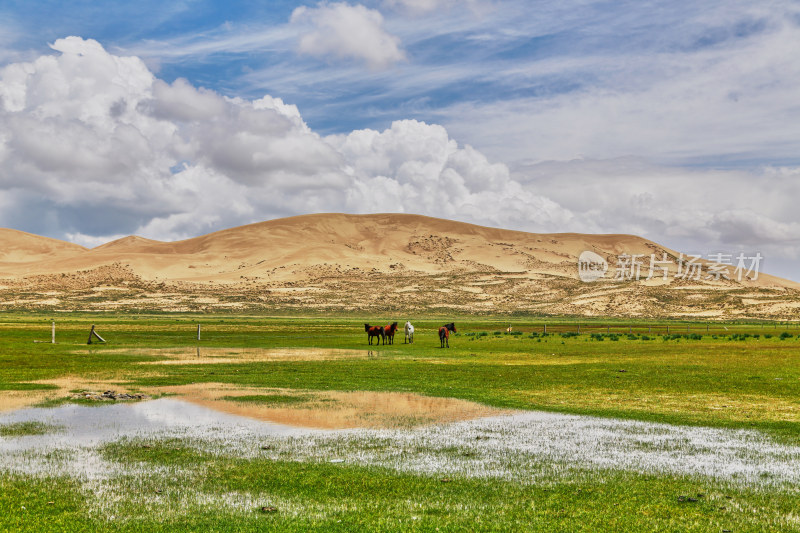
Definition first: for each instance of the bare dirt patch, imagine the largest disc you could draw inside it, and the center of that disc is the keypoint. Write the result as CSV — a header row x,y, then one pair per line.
x,y
331,409
13,400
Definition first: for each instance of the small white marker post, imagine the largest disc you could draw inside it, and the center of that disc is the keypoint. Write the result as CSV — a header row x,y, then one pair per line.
x,y
198,331
53,333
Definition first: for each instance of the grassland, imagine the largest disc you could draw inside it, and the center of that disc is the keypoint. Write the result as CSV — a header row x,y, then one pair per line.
x,y
727,376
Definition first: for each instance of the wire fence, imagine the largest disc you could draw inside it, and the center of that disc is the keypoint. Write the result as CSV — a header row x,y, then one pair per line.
x,y
188,333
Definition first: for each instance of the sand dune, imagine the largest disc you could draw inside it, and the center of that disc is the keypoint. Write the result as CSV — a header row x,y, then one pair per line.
x,y
20,247
331,253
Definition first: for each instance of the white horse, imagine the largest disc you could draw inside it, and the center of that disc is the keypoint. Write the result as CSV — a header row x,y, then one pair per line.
x,y
409,332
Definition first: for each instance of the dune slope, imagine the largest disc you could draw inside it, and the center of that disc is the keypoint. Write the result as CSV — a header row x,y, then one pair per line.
x,y
343,261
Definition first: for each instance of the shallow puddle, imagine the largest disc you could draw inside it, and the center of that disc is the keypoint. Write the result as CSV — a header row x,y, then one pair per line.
x,y
298,408
85,426
330,409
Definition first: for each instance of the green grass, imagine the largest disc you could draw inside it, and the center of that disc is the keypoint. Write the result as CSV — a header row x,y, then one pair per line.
x,y
748,382
731,376
271,399
20,429
26,386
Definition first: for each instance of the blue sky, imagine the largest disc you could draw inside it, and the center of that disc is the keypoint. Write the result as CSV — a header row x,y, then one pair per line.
x,y
478,54
674,120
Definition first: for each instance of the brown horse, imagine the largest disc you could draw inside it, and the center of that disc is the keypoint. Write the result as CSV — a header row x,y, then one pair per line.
x,y
389,332
374,331
444,334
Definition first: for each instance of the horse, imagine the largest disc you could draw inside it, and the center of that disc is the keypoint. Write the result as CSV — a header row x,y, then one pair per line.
x,y
409,333
374,331
444,334
389,332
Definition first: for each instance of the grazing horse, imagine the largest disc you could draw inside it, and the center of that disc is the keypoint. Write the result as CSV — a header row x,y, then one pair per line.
x,y
444,333
374,331
409,333
389,332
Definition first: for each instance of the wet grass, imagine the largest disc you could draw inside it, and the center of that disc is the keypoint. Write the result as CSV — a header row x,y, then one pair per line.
x,y
208,492
21,429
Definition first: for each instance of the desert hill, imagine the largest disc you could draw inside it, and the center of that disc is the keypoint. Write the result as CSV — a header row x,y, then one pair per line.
x,y
20,247
383,261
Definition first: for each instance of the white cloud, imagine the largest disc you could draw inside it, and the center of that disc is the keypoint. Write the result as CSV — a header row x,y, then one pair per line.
x,y
729,102
699,210
415,167
421,7
93,146
107,149
345,31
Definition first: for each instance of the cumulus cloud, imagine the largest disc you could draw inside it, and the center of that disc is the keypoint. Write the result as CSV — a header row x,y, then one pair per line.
x,y
89,130
415,167
343,31
94,145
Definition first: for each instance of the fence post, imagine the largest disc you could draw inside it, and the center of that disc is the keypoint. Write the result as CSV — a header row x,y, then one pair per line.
x,y
545,329
93,333
53,333
198,331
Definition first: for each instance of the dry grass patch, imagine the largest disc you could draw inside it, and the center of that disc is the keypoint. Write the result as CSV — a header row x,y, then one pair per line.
x,y
732,407
205,356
